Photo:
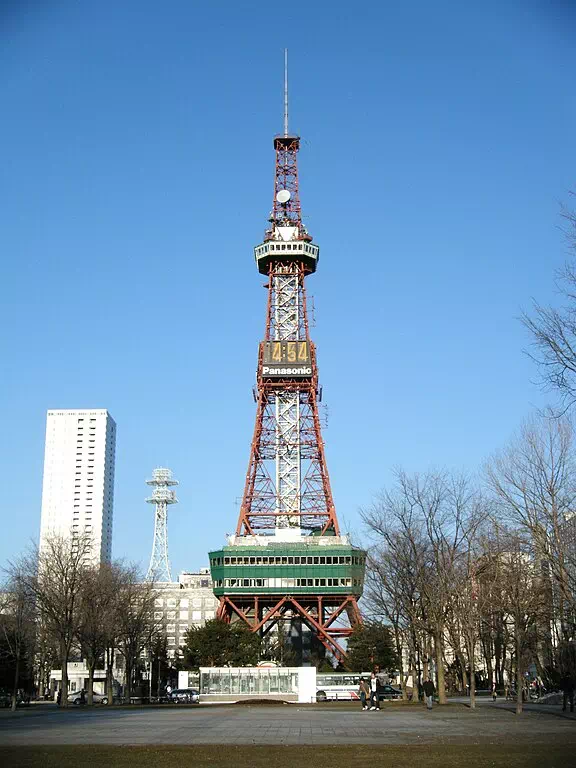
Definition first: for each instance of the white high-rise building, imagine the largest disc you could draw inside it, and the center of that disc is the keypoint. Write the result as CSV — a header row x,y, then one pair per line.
x,y
78,487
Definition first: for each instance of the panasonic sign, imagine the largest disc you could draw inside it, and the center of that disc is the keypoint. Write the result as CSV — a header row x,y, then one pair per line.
x,y
296,371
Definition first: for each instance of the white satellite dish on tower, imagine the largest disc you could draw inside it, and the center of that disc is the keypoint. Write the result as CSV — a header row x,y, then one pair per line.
x,y
282,196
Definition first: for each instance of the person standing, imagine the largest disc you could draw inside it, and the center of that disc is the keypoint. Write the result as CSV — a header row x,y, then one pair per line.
x,y
374,701
493,691
567,685
429,691
363,692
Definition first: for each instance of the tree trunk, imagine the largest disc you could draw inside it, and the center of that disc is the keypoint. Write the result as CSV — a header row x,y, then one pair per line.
x,y
461,658
110,675
128,673
16,679
425,668
472,664
64,651
400,662
91,668
519,675
464,680
440,683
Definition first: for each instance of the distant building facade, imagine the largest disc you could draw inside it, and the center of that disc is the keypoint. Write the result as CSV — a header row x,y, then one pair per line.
x,y
183,604
78,485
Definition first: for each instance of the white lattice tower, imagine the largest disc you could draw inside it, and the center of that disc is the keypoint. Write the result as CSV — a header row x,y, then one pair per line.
x,y
287,325
162,496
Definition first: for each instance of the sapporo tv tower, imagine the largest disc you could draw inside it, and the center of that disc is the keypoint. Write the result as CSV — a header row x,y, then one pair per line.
x,y
288,561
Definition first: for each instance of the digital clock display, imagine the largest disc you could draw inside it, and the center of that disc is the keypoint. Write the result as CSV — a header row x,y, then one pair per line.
x,y
289,359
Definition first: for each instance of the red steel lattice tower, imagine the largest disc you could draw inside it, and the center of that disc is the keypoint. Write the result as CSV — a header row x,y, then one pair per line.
x,y
288,560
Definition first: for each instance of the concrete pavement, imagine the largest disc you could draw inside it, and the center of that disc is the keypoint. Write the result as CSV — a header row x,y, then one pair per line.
x,y
288,724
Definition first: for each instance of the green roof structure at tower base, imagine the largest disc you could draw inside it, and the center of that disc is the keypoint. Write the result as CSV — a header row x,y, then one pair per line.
x,y
298,568
265,581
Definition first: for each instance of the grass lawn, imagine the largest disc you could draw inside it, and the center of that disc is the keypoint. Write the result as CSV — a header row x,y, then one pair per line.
x,y
219,756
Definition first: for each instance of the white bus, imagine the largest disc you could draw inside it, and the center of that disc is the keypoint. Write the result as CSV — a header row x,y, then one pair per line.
x,y
343,686
339,686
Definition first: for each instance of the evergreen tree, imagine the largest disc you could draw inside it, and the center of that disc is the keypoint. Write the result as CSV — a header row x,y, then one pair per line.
x,y
219,644
371,645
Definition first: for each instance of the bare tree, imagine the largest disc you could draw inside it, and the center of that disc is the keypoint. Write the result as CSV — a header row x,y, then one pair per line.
x,y
534,483
553,330
384,595
99,593
423,525
17,624
520,595
136,625
53,575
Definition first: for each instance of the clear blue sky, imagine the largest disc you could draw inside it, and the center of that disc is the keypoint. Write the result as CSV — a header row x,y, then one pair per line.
x,y
136,176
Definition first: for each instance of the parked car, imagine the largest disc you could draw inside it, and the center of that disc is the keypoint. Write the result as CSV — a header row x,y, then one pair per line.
x,y
185,696
76,698
389,692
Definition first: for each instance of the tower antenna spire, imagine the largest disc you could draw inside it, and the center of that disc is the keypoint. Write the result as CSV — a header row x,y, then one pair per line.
x,y
285,91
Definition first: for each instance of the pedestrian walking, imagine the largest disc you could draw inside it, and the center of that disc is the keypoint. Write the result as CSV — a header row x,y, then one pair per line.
x,y
59,698
364,693
429,691
493,691
82,696
567,686
374,685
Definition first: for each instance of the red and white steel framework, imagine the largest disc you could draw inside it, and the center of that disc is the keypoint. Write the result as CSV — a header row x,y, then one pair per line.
x,y
287,483
287,490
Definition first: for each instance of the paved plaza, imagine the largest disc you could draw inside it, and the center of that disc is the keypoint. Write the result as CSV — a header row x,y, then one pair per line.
x,y
288,724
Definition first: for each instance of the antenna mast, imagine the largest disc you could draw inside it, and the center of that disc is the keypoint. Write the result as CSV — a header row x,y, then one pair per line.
x,y
162,497
285,91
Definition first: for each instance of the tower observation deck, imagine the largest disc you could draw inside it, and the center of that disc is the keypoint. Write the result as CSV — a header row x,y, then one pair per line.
x,y
288,560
